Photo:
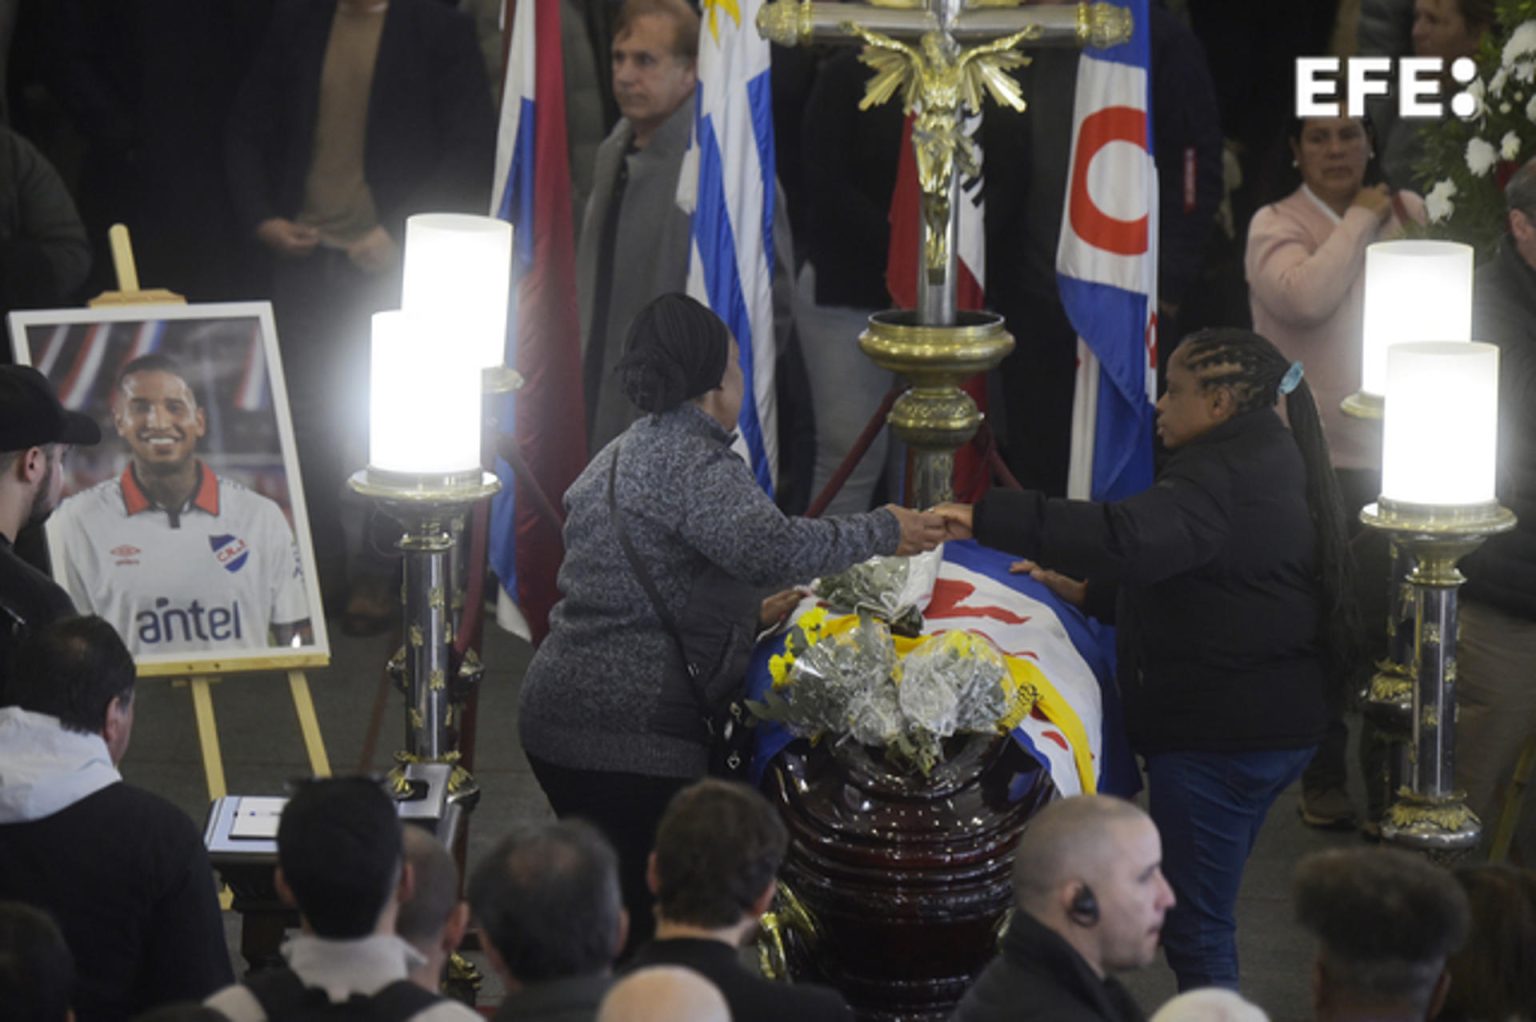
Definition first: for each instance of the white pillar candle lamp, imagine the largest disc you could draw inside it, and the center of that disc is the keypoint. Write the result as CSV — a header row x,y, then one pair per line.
x,y
433,361
424,415
1441,424
458,272
424,472
1414,291
1438,504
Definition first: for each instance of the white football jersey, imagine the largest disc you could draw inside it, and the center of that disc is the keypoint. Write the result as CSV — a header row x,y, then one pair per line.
x,y
214,575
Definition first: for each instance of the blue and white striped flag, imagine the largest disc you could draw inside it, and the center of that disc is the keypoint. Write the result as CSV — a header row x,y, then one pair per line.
x,y
731,264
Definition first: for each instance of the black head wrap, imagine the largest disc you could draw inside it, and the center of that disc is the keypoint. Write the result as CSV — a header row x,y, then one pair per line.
x,y
675,351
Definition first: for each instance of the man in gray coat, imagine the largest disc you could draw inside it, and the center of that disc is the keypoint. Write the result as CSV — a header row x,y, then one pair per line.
x,y
637,231
635,238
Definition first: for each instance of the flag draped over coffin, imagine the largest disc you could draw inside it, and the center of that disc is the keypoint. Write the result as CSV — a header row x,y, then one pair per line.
x,y
1074,731
532,190
1106,267
732,258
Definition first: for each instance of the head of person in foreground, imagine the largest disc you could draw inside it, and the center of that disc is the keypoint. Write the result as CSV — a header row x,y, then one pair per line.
x,y
664,993
548,903
1089,868
1385,922
716,861
340,858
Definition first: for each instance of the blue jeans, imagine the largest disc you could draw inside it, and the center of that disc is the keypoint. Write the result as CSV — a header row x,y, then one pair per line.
x,y
1208,807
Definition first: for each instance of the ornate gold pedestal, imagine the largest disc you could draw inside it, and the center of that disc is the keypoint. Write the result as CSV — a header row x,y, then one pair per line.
x,y
1430,814
935,417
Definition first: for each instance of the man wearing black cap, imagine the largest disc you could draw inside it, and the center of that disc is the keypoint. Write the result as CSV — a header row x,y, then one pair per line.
x,y
35,434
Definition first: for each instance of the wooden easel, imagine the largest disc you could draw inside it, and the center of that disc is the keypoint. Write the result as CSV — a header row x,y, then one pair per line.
x,y
199,677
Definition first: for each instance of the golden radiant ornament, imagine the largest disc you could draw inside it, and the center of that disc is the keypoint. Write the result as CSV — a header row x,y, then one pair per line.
x,y
941,84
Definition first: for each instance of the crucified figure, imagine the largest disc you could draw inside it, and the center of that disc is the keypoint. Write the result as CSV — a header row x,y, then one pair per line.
x,y
941,83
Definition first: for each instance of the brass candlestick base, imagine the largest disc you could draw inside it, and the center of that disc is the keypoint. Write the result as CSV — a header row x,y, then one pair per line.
x,y
1442,827
1430,813
935,417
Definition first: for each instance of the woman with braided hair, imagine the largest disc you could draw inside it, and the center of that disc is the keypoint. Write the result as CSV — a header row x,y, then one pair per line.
x,y
1230,583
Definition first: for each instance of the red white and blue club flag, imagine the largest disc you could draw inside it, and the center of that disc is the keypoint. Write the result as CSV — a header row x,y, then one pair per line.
x,y
731,262
1075,730
1106,267
532,190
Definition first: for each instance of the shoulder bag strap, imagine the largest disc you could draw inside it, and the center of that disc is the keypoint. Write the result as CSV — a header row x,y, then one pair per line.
x,y
638,567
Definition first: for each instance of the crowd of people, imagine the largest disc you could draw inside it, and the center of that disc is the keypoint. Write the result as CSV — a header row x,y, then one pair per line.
x,y
131,930
283,165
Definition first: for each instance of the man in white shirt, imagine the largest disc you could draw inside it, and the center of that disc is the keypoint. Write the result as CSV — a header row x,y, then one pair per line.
x,y
340,863
121,870
176,557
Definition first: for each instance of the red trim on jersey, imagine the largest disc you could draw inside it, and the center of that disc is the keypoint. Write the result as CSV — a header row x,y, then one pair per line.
x,y
206,498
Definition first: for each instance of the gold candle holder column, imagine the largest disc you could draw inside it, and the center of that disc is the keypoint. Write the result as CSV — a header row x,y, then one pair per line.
x,y
934,416
1430,813
426,507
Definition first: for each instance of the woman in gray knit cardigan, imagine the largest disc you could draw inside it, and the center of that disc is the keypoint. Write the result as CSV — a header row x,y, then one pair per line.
x,y
688,503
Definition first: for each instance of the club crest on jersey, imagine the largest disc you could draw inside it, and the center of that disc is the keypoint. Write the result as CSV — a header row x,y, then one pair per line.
x,y
230,551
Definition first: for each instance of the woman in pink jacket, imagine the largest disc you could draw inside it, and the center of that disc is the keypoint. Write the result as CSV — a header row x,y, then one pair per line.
x,y
1306,278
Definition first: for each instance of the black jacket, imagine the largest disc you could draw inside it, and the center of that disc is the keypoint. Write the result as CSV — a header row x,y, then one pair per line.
x,y
1503,570
1040,976
430,138
124,874
1219,604
751,998
28,600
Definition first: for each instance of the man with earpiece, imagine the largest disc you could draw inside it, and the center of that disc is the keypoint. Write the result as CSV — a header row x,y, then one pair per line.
x,y
1089,900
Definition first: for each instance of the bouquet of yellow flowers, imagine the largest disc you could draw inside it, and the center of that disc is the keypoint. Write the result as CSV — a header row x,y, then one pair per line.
x,y
850,680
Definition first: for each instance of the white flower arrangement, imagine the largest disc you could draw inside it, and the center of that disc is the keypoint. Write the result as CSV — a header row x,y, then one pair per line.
x,y
1481,156
1521,43
1479,99
1438,202
853,683
1469,159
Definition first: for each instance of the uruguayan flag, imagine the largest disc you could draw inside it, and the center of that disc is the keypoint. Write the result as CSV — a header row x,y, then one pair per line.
x,y
731,265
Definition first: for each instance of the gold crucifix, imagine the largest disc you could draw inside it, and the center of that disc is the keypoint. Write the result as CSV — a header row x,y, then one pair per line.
x,y
941,83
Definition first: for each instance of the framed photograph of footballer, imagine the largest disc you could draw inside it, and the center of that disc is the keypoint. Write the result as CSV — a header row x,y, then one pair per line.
x,y
185,527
